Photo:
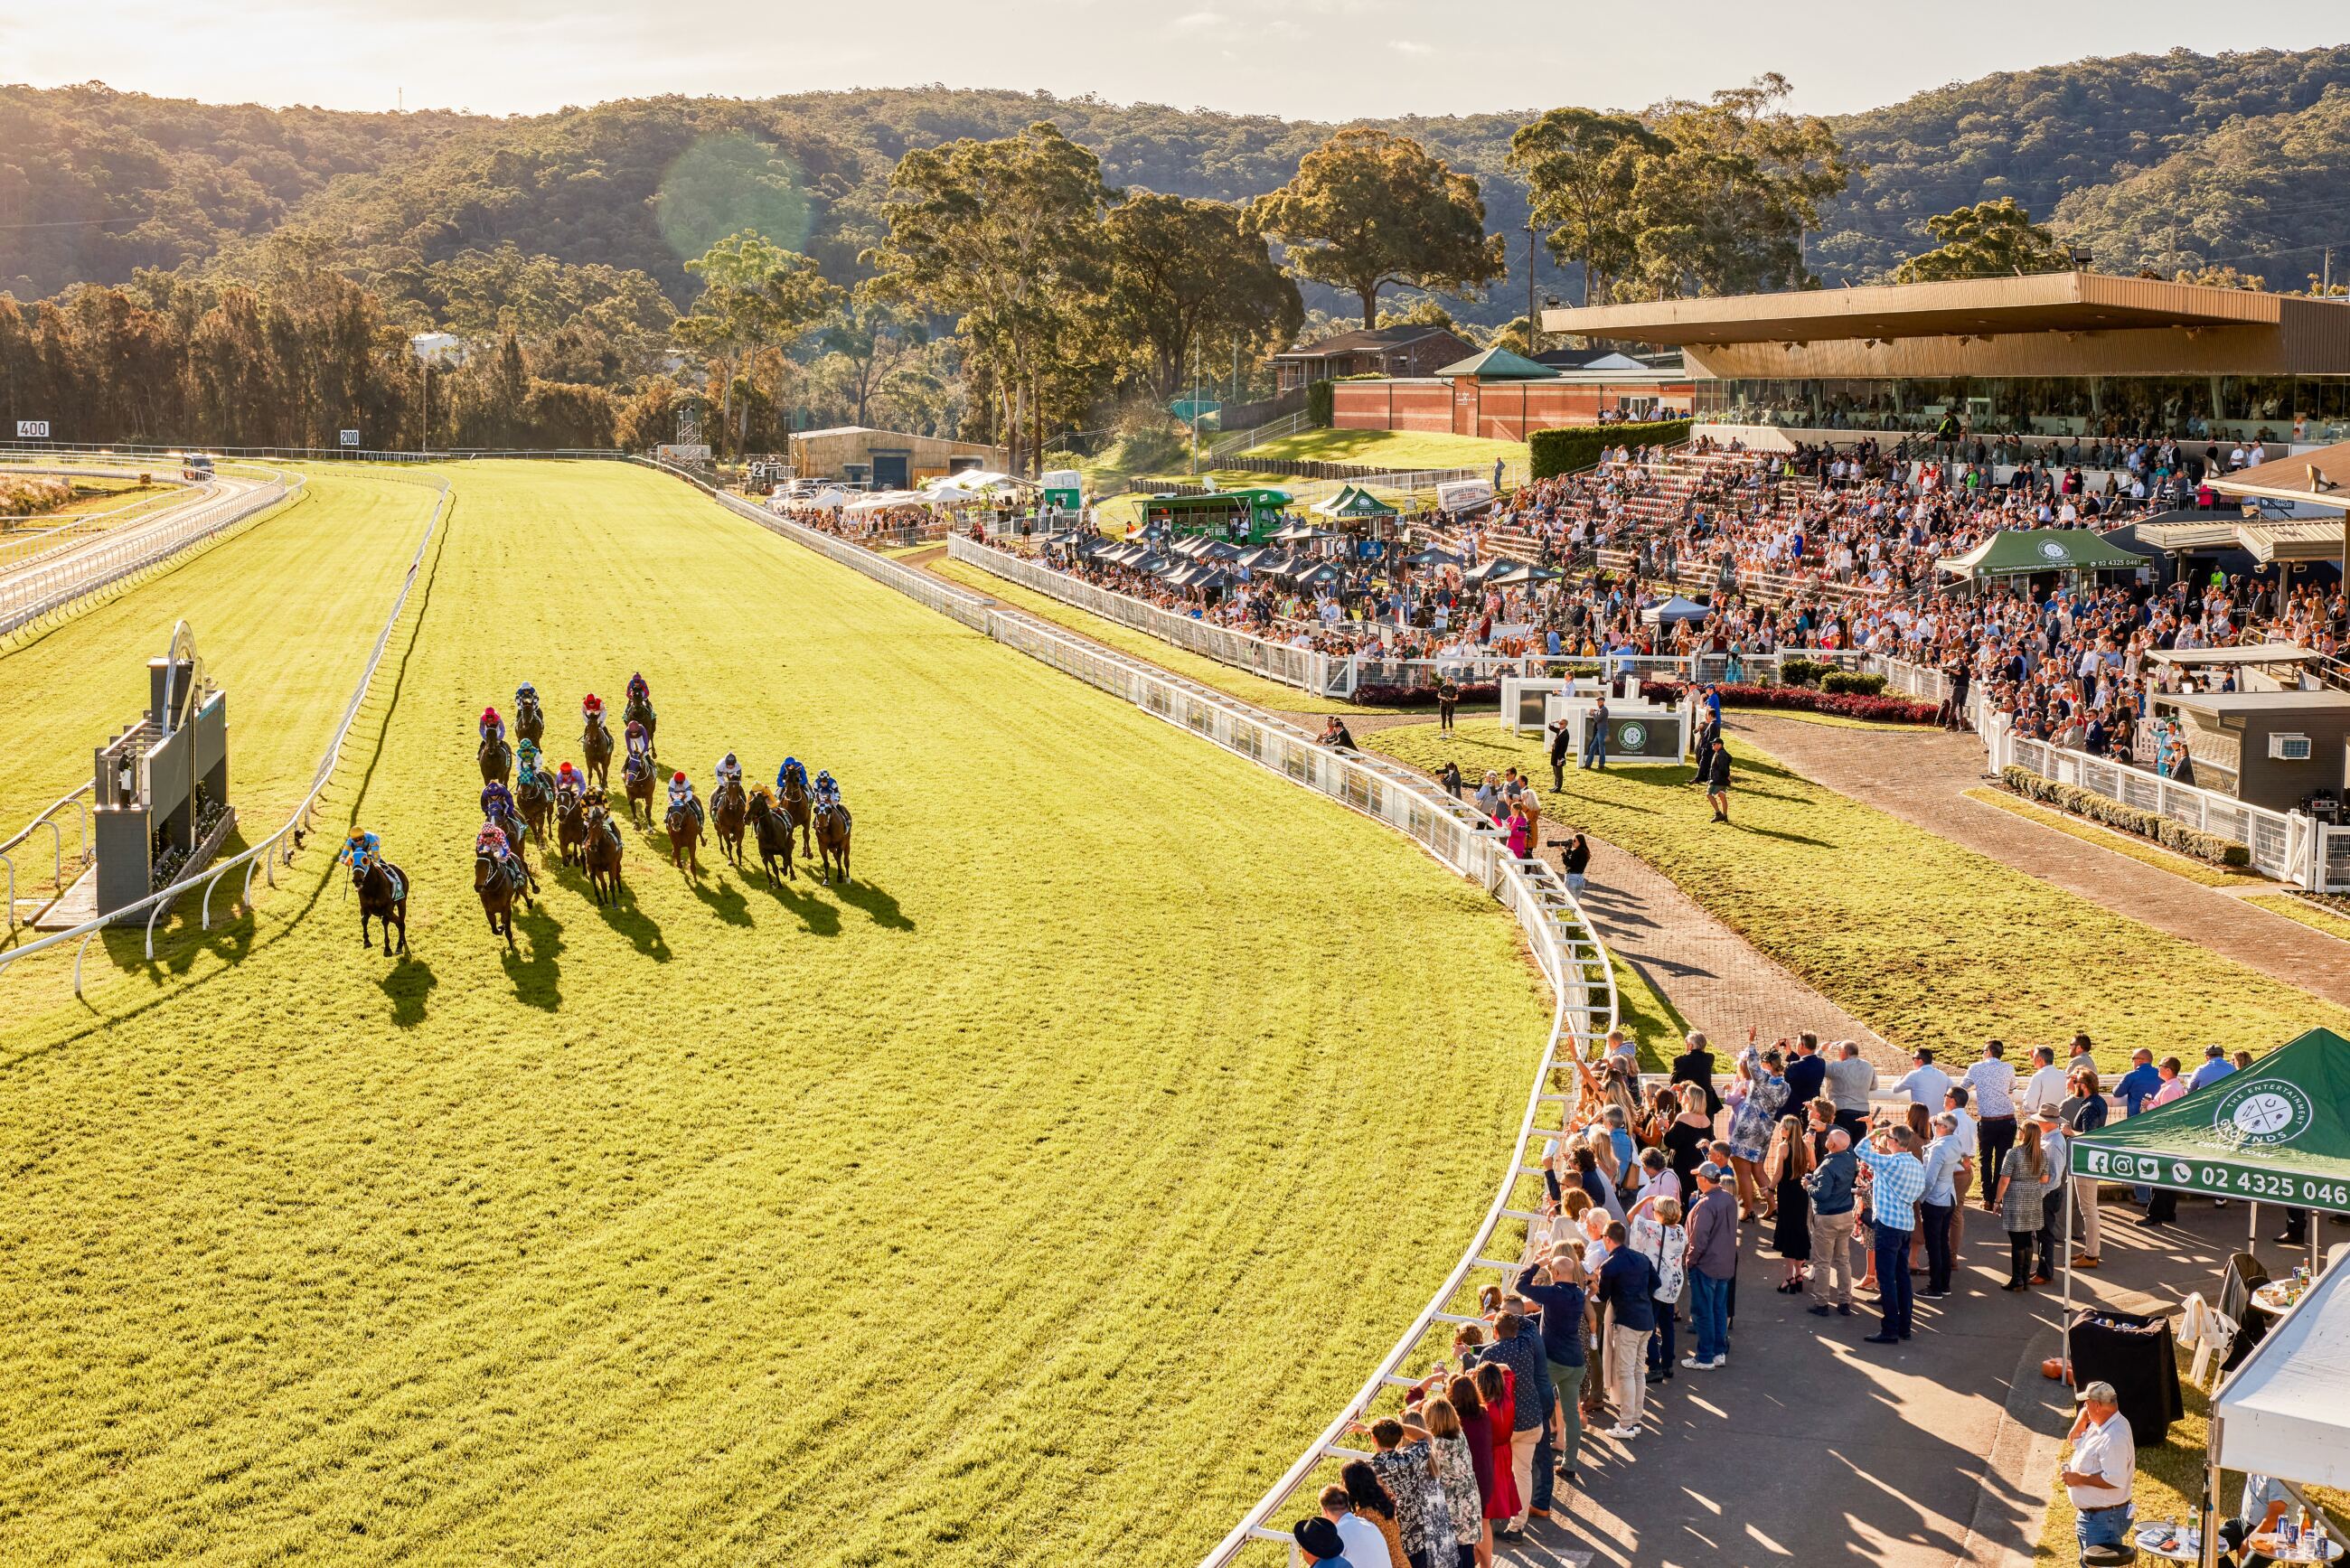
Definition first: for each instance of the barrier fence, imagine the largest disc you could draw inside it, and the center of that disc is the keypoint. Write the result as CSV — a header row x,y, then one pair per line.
x,y
1569,953
278,847
46,585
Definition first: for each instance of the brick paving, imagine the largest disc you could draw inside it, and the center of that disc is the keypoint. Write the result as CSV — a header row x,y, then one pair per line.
x,y
1922,779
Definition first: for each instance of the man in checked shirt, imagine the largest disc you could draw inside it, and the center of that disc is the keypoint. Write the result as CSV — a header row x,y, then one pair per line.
x,y
1896,1181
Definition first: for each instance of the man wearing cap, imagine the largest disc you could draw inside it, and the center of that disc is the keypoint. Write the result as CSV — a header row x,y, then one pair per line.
x,y
1321,1539
2052,1147
1713,1264
2097,1477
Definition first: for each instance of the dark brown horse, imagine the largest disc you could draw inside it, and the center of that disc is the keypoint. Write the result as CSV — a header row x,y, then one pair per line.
x,y
530,720
637,778
535,801
601,853
684,827
570,828
729,808
499,887
595,746
496,759
832,840
639,709
383,896
772,831
796,811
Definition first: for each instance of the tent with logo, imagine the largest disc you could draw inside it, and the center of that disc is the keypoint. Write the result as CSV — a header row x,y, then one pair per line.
x,y
2278,1132
2021,552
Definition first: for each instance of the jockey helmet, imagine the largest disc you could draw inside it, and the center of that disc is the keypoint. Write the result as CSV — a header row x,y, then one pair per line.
x,y
526,689
489,715
825,777
677,778
729,761
791,766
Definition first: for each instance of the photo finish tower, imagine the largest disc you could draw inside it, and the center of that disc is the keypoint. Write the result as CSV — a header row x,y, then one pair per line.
x,y
162,791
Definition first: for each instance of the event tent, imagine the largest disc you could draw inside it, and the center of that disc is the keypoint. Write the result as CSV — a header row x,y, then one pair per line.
x,y
1352,502
1432,556
2019,552
1518,573
1674,608
2277,1132
2283,1412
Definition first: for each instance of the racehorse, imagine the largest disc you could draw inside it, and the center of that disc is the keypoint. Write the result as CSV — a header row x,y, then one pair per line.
x,y
772,830
496,759
499,887
832,840
684,837
641,708
601,853
536,802
530,720
571,829
383,896
795,809
637,778
728,810
596,746
511,826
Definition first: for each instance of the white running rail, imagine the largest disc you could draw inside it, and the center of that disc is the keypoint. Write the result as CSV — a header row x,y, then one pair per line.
x,y
278,847
48,586
49,819
1572,958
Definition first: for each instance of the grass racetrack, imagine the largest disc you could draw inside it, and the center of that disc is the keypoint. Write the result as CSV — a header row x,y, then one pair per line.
x,y
1032,1200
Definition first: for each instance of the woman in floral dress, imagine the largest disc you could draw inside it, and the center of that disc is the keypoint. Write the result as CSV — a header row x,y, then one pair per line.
x,y
1752,1123
1457,1468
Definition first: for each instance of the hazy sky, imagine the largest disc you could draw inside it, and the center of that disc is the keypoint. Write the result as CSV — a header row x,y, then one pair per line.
x,y
1311,59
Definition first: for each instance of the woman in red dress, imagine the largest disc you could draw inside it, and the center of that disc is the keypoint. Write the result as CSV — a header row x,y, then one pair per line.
x,y
1498,1386
1478,1427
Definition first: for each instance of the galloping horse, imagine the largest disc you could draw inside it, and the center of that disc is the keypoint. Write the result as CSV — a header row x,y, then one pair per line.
x,y
639,707
496,759
596,746
536,802
684,837
637,778
795,810
571,829
499,887
832,840
530,718
383,896
601,854
728,810
772,830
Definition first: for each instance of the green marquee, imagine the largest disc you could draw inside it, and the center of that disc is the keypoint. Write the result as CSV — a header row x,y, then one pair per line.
x,y
2014,551
2278,1132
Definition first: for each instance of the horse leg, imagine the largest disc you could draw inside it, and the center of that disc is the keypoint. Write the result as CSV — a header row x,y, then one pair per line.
x,y
510,941
365,940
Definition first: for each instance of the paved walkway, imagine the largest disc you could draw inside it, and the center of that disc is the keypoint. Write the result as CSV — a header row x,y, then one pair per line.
x,y
1920,778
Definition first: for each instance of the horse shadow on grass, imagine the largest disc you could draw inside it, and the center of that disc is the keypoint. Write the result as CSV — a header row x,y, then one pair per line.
x,y
408,983
624,916
536,973
725,900
820,917
876,903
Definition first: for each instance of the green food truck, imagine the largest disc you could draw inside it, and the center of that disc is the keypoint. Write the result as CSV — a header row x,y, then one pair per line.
x,y
1240,516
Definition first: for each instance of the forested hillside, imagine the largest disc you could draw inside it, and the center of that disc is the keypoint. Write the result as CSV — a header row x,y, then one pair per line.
x,y
2172,160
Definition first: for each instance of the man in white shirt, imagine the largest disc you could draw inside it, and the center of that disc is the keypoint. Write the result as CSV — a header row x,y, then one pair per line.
x,y
1992,1082
2097,1477
2046,1089
1359,1537
1969,1138
1925,1083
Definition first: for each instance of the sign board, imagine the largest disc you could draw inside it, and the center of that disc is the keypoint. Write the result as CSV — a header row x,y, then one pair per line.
x,y
351,437
32,429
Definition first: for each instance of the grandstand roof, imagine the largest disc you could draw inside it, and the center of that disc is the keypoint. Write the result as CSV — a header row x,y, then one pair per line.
x,y
2320,477
2074,302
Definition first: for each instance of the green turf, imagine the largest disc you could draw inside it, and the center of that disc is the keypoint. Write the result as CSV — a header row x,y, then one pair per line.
x,y
1931,943
1033,1200
283,614
1400,450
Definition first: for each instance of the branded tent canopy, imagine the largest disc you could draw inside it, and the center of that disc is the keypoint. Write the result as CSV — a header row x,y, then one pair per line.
x,y
1674,608
1353,502
2277,1132
2019,552
2285,1412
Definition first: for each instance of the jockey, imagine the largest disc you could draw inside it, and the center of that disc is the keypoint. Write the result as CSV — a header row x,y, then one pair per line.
x,y
526,696
640,744
497,801
362,849
680,793
790,770
638,691
527,763
591,708
730,772
827,790
492,727
492,841
569,780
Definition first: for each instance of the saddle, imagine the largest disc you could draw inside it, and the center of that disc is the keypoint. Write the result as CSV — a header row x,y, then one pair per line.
x,y
509,866
392,874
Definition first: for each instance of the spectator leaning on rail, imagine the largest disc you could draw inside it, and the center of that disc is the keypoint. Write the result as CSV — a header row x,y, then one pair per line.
x,y
1518,1345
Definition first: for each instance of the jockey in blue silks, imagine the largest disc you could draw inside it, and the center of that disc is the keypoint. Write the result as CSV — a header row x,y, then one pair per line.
x,y
790,770
526,762
827,792
497,801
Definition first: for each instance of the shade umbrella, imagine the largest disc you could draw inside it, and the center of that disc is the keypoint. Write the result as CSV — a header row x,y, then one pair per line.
x,y
1212,579
1484,570
1432,556
1520,573
1217,550
1304,534
1320,575
1258,558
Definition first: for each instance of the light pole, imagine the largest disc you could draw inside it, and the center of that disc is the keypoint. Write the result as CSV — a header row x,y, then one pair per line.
x,y
1533,334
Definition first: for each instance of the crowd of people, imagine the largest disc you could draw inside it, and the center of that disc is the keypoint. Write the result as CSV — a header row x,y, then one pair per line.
x,y
1657,1197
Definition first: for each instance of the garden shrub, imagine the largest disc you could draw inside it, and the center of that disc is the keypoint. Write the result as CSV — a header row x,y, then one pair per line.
x,y
1318,412
1473,693
2109,813
1850,682
1569,448
1797,699
1802,671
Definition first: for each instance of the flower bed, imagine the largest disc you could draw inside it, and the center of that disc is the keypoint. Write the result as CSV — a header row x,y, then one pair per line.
x,y
1844,705
1378,694
2111,813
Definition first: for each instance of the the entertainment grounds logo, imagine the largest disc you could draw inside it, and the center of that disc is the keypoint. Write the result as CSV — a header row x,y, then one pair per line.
x,y
2260,1114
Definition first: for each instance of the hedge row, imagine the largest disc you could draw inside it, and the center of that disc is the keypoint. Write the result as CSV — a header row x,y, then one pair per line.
x,y
1318,412
1846,705
1570,447
2112,812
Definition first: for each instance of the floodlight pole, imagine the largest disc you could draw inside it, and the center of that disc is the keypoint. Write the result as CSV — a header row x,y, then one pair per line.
x,y
1533,340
